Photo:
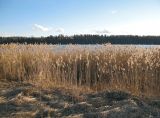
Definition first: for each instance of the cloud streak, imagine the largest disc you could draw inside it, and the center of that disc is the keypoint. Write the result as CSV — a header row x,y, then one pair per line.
x,y
59,30
41,28
48,29
104,31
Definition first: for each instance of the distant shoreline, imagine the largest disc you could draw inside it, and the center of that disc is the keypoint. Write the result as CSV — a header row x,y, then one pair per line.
x,y
84,39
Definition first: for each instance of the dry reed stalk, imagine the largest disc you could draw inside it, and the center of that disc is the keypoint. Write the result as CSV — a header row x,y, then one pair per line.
x,y
128,68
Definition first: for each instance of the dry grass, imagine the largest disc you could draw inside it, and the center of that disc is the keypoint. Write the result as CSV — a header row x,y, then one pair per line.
x,y
127,68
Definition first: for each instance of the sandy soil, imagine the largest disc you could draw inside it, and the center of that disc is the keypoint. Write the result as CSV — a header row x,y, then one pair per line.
x,y
25,100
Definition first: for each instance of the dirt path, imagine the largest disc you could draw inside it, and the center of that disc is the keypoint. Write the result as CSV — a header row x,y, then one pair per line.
x,y
25,100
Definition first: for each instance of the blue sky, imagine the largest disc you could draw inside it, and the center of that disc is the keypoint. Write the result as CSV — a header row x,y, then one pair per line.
x,y
68,17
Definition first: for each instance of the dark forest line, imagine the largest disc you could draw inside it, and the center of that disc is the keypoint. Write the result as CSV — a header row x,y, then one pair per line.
x,y
84,39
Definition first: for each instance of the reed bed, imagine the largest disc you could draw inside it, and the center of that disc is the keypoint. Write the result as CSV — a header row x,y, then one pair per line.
x,y
107,67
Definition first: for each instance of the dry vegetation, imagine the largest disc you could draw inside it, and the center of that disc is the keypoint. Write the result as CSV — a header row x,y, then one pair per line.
x,y
79,82
127,68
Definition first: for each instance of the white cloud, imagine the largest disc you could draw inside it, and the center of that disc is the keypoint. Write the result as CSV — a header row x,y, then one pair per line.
x,y
59,30
114,11
41,28
48,30
104,31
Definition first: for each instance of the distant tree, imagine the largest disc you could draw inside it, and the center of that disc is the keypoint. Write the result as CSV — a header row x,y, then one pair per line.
x,y
84,39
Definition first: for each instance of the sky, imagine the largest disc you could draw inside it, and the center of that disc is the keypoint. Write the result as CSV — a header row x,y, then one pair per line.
x,y
69,17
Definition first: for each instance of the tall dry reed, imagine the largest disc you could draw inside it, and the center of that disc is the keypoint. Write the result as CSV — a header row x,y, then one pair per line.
x,y
127,68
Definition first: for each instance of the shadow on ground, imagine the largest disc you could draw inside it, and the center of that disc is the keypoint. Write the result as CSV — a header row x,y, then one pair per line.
x,y
25,100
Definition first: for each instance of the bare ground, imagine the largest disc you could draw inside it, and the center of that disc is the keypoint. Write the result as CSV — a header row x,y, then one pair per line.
x,y
25,100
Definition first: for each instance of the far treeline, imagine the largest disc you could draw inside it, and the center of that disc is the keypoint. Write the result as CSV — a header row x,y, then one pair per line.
x,y
84,39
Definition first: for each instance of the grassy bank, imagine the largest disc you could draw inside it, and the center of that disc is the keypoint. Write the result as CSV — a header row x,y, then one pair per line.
x,y
126,68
